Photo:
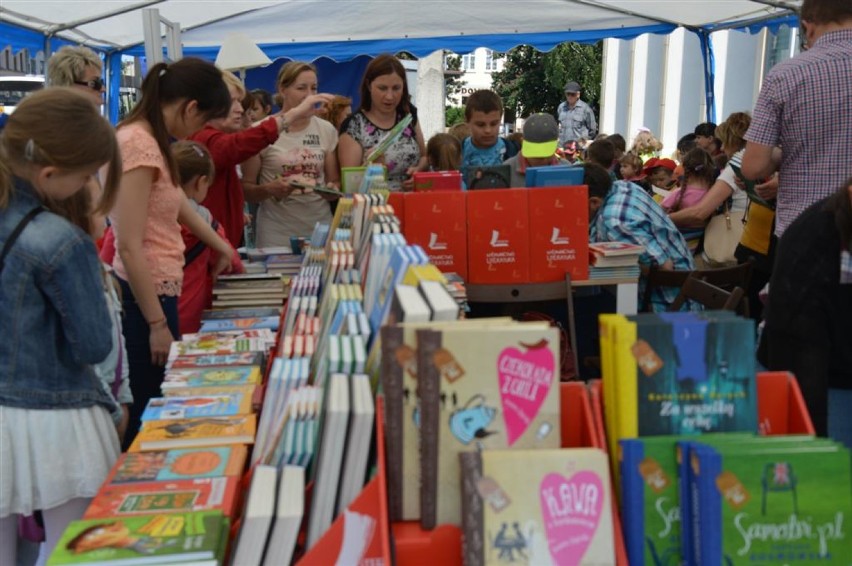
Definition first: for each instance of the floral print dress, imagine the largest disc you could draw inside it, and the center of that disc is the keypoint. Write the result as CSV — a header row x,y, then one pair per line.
x,y
399,157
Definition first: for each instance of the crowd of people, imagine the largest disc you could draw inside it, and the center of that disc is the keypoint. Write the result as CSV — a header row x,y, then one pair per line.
x,y
87,329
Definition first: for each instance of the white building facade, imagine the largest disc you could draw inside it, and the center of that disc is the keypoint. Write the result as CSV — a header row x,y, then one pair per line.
x,y
657,81
477,66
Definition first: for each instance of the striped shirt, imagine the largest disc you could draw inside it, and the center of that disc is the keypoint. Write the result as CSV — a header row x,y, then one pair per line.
x,y
805,106
629,214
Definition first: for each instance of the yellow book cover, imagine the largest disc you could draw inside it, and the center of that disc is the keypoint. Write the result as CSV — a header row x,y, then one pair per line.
x,y
188,433
537,507
606,330
424,272
246,391
481,388
625,354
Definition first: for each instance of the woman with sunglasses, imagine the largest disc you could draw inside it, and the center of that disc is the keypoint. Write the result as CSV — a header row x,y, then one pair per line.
x,y
77,67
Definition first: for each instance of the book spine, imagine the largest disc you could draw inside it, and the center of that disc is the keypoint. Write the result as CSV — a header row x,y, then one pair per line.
x,y
428,392
633,500
473,545
391,376
684,475
706,465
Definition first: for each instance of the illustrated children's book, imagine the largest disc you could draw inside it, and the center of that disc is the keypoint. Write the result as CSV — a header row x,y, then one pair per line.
x,y
216,361
217,405
197,538
211,377
482,388
191,463
182,496
537,507
188,433
780,505
270,322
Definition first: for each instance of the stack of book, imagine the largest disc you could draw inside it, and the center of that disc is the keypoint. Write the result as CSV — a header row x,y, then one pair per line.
x,y
249,290
612,260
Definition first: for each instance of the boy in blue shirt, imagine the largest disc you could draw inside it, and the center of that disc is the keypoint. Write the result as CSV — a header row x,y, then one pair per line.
x,y
484,114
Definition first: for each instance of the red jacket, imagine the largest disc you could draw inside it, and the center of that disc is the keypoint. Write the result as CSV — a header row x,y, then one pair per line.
x,y
196,293
225,198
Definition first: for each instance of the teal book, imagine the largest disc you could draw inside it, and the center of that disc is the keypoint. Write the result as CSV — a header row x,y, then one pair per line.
x,y
695,373
182,538
779,505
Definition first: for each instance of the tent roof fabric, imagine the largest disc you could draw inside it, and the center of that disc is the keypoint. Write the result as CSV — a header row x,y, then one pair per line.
x,y
344,29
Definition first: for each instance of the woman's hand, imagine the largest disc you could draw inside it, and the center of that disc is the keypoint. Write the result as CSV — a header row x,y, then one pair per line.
x,y
309,106
161,340
279,188
121,427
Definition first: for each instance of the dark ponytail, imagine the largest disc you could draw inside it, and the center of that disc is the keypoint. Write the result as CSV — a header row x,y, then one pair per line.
x,y
187,79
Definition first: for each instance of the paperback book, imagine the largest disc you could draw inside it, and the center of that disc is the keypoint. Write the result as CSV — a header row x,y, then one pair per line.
x,y
197,538
537,507
181,496
179,464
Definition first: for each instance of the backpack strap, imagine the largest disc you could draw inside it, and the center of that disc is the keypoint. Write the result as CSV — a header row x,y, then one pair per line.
x,y
16,232
192,253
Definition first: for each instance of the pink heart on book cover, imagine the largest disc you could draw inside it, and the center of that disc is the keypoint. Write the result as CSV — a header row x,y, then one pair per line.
x,y
571,512
525,379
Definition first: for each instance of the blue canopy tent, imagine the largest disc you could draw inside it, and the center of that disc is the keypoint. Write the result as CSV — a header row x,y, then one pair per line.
x,y
344,30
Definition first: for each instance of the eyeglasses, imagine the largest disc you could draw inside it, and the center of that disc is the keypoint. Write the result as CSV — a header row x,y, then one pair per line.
x,y
96,84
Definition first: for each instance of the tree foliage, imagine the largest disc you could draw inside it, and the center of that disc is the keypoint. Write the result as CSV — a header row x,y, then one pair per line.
x,y
453,115
453,78
532,81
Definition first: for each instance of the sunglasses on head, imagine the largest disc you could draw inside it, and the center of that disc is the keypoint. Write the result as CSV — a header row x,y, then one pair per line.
x,y
96,84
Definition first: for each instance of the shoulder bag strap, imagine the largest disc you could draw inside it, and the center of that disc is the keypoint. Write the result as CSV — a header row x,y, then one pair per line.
x,y
17,232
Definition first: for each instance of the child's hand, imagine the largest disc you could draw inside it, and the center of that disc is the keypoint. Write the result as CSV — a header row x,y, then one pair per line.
x,y
408,183
246,218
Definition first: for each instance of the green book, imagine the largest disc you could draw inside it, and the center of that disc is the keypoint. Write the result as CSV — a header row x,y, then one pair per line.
x,y
183,538
778,505
652,499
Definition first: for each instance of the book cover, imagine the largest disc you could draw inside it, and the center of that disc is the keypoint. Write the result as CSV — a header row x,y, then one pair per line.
x,y
437,181
559,233
484,388
226,314
200,405
772,505
217,361
679,373
217,344
537,507
612,249
179,464
181,496
438,223
270,322
498,236
176,538
187,433
211,377
402,411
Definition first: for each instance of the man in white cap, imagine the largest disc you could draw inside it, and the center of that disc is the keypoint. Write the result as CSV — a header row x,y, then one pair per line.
x,y
576,119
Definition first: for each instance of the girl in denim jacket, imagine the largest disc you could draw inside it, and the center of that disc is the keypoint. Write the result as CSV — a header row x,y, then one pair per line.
x,y
57,440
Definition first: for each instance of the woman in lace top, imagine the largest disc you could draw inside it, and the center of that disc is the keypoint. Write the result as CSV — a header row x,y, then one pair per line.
x,y
177,99
384,102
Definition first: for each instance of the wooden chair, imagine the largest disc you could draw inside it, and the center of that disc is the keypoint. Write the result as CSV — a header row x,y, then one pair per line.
x,y
707,294
726,278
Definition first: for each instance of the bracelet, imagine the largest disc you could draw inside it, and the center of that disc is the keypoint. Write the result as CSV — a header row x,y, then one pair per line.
x,y
285,125
157,322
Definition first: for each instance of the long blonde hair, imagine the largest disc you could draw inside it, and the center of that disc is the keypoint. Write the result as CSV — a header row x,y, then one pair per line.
x,y
59,127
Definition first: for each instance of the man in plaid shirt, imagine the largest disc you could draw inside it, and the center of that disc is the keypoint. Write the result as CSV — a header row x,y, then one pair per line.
x,y
621,211
802,121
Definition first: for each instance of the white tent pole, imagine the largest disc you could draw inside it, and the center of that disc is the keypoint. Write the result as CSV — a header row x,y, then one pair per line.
x,y
57,28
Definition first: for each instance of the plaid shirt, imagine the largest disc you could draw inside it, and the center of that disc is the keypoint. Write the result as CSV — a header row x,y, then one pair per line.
x,y
629,214
805,106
